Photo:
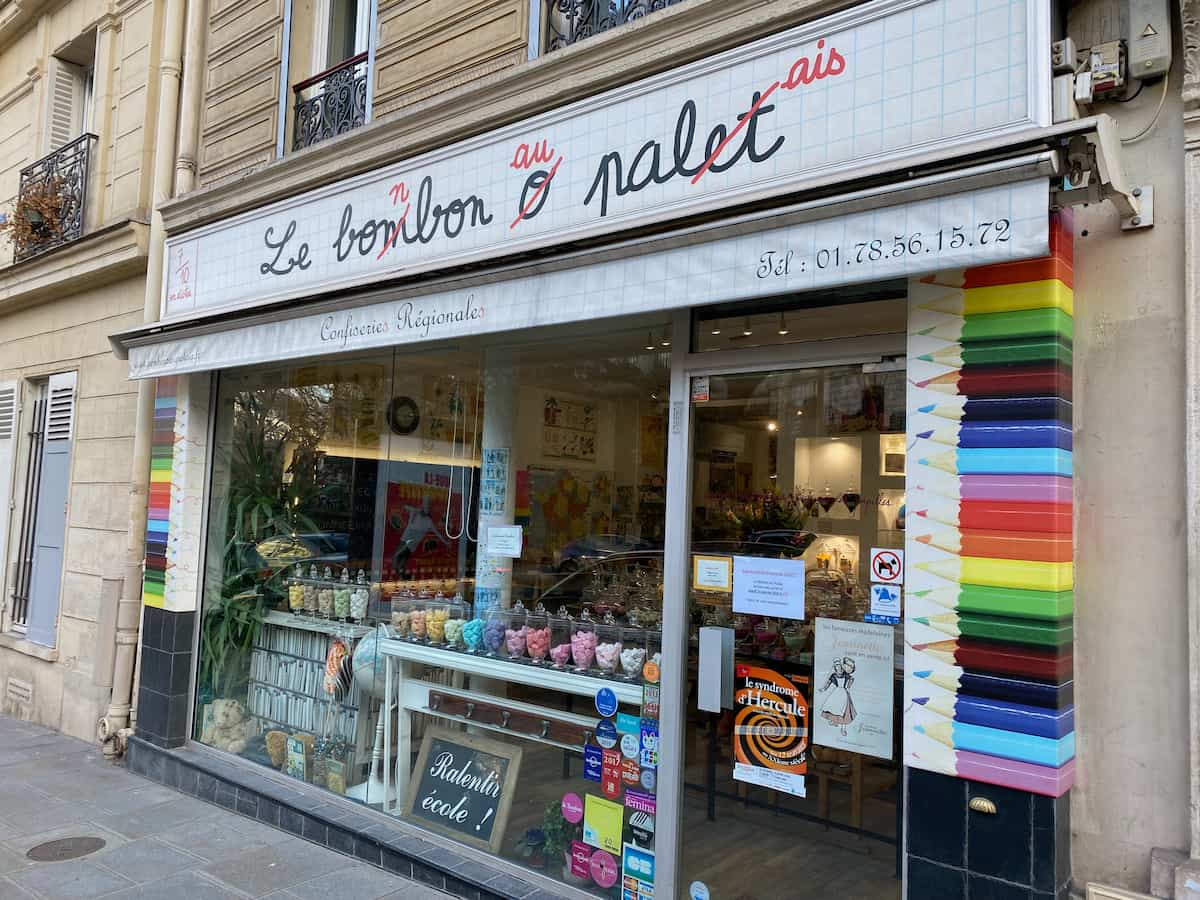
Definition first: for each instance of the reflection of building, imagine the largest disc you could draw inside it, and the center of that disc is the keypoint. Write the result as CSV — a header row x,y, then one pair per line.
x,y
664,338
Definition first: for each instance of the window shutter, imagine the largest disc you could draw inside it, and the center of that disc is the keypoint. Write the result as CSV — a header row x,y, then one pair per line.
x,y
64,114
8,443
49,538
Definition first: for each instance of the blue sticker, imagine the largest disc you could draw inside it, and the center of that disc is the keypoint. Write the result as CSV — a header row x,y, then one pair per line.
x,y
593,762
606,734
649,741
606,702
627,724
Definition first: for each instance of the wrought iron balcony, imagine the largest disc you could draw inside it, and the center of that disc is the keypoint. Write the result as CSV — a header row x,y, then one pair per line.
x,y
570,21
336,102
52,199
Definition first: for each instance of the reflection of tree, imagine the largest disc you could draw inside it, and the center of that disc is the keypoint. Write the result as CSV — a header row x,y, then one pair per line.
x,y
767,511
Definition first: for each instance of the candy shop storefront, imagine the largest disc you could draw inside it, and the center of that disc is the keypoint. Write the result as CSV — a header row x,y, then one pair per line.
x,y
702,562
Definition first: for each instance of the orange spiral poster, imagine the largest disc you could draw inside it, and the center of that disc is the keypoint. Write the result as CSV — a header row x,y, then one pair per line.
x,y
770,728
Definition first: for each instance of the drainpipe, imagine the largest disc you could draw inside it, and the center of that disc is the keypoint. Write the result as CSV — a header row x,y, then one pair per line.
x,y
115,725
189,109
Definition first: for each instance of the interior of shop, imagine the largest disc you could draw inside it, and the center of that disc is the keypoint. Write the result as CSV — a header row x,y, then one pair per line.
x,y
358,515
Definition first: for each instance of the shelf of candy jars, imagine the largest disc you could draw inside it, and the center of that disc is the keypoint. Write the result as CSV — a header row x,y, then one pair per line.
x,y
320,601
588,645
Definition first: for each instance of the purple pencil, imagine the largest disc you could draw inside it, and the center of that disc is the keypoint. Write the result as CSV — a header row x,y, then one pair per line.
x,y
1017,488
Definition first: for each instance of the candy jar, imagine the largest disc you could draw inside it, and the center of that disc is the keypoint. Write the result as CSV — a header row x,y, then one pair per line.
x,y
311,591
400,617
456,622
654,645
325,595
583,642
560,638
516,630
437,613
537,635
296,591
416,622
360,597
608,645
633,651
493,631
341,596
472,633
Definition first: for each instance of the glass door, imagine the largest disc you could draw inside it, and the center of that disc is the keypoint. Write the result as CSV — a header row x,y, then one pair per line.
x,y
791,780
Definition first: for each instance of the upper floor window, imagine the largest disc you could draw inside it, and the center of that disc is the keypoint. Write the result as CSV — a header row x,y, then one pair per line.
x,y
571,21
70,79
334,98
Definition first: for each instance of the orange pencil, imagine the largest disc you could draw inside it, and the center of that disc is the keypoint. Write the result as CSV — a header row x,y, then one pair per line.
x,y
1003,544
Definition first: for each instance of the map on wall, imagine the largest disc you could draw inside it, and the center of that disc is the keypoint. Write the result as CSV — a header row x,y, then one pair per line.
x,y
568,429
566,506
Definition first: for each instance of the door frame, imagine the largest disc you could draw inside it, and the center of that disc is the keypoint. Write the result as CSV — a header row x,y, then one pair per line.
x,y
686,365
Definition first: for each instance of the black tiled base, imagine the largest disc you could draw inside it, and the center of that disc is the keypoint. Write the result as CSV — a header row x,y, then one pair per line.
x,y
1021,852
326,821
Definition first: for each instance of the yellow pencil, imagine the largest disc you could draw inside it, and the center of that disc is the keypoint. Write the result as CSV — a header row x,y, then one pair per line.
x,y
1005,298
1033,575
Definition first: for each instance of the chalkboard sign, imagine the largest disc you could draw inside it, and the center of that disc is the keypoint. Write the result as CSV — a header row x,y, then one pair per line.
x,y
463,786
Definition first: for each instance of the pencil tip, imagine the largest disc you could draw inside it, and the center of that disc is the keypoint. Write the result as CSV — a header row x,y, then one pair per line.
x,y
923,673
924,620
926,357
921,700
923,513
924,538
925,434
926,409
919,729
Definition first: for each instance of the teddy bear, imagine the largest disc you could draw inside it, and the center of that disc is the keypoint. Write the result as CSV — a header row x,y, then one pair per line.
x,y
228,728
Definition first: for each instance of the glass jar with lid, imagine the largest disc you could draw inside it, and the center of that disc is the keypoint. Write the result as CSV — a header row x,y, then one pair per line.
x,y
456,622
633,650
296,590
515,632
560,638
493,631
537,635
608,645
583,642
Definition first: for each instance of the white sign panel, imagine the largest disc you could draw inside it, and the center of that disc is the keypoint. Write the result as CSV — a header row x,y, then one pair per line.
x,y
966,229
854,687
887,565
885,601
505,540
875,84
768,587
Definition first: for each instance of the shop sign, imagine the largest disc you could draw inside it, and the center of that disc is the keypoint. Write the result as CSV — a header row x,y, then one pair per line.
x,y
463,786
885,603
989,225
872,86
768,587
640,802
602,820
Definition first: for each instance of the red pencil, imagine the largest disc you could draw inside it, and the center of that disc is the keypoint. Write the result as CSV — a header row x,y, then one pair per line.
x,y
998,515
999,381
1005,659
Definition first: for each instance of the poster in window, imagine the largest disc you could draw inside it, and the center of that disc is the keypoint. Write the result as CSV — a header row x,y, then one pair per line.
x,y
855,685
770,728
417,543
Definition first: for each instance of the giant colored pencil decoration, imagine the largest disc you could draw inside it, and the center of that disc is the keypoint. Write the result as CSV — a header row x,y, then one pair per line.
x,y
162,445
989,548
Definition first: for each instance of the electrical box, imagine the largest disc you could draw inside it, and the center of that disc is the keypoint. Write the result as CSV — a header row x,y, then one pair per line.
x,y
1149,38
1107,65
1063,57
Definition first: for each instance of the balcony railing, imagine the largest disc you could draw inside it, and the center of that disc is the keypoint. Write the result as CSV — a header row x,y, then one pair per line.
x,y
336,102
52,198
570,21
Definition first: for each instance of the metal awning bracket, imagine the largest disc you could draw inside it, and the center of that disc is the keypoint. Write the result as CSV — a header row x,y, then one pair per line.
x,y
1095,172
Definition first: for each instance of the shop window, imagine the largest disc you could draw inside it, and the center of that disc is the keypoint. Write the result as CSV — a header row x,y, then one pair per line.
x,y
490,518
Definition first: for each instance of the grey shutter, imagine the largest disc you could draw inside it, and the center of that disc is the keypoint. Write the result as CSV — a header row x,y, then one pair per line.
x,y
64,112
8,442
49,538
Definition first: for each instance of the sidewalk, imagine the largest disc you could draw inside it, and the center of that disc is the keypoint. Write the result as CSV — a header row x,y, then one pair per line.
x,y
157,843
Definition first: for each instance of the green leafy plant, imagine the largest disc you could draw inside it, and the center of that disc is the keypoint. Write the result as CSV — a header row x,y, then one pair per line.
x,y
558,833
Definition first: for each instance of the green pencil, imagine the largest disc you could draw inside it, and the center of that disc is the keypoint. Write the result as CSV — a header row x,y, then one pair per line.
x,y
1003,353
994,601
1005,325
1001,628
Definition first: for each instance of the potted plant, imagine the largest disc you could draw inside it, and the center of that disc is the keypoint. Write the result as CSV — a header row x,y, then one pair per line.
x,y
37,216
557,835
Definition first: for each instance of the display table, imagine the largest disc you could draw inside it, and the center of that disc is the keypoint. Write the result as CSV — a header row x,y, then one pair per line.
x,y
486,710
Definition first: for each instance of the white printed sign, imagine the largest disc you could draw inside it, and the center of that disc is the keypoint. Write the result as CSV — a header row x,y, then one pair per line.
x,y
854,688
887,565
885,601
505,540
880,83
768,587
1007,222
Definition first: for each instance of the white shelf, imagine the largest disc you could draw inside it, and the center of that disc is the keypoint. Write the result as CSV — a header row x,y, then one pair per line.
x,y
307,623
519,673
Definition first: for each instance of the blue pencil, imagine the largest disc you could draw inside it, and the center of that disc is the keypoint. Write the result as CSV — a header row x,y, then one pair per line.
x,y
1002,461
1001,433
1048,723
1008,744
975,409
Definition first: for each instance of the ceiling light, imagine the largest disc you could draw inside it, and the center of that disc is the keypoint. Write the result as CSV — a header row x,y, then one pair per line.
x,y
665,342
716,328
650,341
772,426
746,329
783,329
799,412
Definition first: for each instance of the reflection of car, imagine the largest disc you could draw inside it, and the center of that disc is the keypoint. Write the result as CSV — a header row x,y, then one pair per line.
x,y
801,540
568,591
583,552
288,549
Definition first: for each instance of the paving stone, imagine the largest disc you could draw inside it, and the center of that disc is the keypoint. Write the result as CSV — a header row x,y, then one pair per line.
x,y
149,859
77,879
10,891
214,839
275,868
188,885
158,818
360,882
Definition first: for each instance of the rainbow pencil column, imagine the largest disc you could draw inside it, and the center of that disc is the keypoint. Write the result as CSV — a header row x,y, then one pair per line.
x,y
162,452
989,545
